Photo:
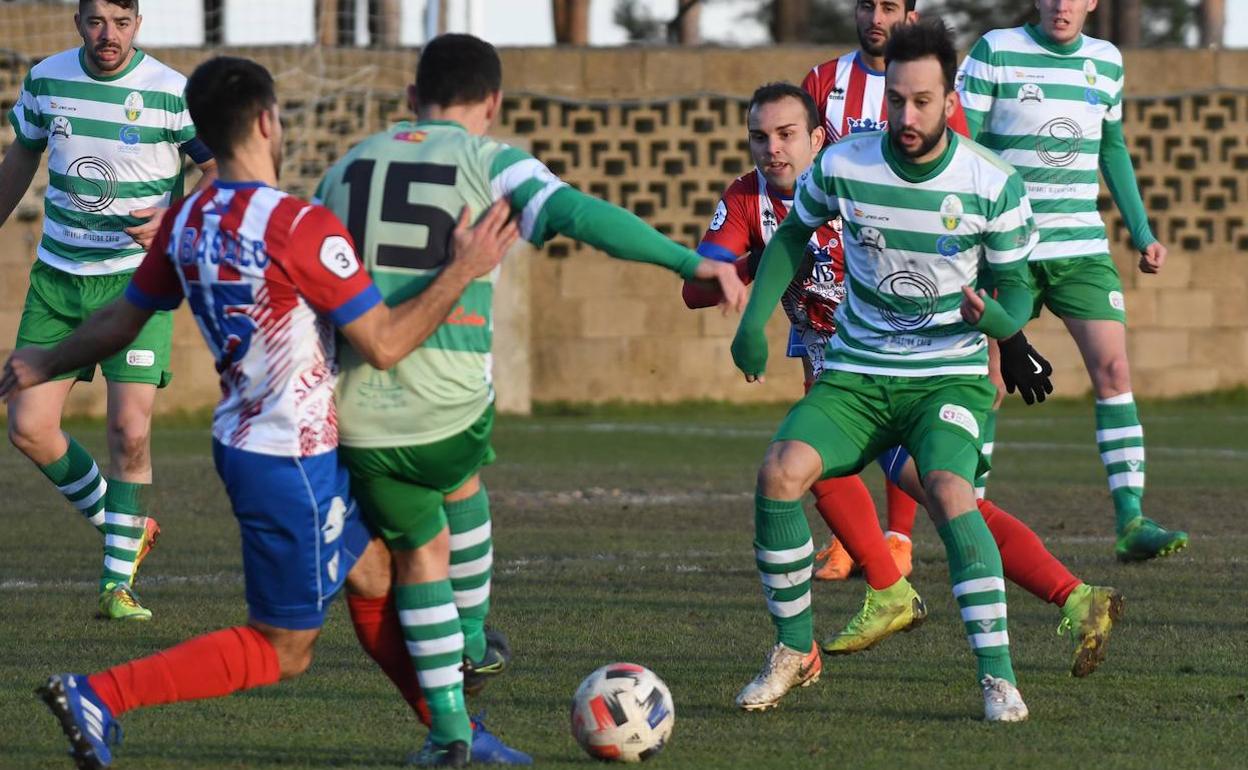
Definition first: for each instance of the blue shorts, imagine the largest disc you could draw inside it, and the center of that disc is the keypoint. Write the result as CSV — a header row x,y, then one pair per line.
x,y
301,531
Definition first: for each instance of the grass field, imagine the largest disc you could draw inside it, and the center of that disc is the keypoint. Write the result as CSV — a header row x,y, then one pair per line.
x,y
624,534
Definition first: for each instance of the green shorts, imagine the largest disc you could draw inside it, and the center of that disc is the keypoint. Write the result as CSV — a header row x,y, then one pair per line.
x,y
850,419
400,489
59,302
1086,288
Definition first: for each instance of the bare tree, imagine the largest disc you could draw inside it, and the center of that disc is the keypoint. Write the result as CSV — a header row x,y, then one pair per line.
x,y
1212,23
571,21
686,28
790,21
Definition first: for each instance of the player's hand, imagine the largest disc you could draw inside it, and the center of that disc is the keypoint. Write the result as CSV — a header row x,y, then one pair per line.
x,y
479,249
972,305
749,353
26,368
1153,258
145,233
1025,370
730,285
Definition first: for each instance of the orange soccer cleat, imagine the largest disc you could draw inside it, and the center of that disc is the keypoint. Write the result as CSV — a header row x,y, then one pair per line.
x,y
837,565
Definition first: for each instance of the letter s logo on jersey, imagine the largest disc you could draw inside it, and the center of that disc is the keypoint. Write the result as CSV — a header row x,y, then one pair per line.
x,y
338,257
961,417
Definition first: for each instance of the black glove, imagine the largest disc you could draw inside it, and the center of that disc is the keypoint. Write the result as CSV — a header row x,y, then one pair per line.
x,y
1025,369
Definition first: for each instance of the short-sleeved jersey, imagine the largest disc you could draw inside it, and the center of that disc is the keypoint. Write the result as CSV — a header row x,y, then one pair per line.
x,y
268,277
850,96
400,192
1042,108
113,147
744,222
911,244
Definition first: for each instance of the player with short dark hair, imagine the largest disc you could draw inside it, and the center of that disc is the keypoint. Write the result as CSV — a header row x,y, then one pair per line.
x,y
115,128
270,280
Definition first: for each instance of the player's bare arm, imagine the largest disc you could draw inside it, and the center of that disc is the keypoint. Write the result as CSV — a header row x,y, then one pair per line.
x,y
384,335
106,332
17,171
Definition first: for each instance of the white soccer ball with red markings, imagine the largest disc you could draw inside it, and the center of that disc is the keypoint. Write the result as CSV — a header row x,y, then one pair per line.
x,y
622,712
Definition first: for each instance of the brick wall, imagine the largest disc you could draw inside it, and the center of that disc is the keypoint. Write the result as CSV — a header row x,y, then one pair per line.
x,y
661,131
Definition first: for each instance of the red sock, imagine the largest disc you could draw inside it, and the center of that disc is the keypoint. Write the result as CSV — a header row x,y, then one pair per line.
x,y
847,508
1027,562
207,666
901,509
380,634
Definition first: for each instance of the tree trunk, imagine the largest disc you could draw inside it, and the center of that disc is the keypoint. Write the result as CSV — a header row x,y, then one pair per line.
x,y
689,27
1212,23
571,21
790,21
385,23
327,23
1103,24
1129,26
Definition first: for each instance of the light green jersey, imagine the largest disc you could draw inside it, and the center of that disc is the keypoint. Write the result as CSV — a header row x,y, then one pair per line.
x,y
1044,108
401,192
913,237
113,147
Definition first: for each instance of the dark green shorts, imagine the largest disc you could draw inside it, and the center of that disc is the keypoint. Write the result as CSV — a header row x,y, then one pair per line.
x,y
850,419
1086,288
57,303
400,489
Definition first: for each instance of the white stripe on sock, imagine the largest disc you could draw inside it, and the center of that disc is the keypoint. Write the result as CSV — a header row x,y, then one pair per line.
x,y
473,597
983,612
1118,434
787,579
124,543
993,639
790,608
74,487
440,677
97,520
444,644
125,519
1119,400
474,536
1129,479
981,493
978,585
786,556
119,566
428,616
1123,455
90,500
474,567
987,450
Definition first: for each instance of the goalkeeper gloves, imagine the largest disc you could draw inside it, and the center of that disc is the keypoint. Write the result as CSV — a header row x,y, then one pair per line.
x,y
1024,369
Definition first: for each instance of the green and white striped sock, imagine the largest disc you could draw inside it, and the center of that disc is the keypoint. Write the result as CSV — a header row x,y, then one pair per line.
x,y
785,557
431,628
472,561
78,478
990,435
124,521
979,587
1120,440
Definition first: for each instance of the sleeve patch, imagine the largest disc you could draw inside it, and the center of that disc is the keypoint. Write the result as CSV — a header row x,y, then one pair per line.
x,y
721,216
338,257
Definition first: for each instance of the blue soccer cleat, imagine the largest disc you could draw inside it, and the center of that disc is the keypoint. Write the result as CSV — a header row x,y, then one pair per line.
x,y
486,749
85,720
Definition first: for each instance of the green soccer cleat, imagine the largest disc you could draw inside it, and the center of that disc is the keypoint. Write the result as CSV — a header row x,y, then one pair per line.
x,y
1144,539
896,608
497,655
118,602
1090,613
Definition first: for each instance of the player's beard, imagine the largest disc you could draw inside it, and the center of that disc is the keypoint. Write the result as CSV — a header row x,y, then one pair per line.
x,y
871,49
925,146
122,55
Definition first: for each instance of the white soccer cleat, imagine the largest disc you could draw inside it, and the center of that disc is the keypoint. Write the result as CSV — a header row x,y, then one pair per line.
x,y
1002,701
784,669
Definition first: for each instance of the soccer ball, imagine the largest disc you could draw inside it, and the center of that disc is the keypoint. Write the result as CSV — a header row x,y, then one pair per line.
x,y
622,712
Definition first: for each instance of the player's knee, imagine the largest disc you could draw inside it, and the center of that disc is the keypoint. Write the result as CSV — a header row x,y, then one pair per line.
x,y
128,437
28,435
948,493
787,474
1115,376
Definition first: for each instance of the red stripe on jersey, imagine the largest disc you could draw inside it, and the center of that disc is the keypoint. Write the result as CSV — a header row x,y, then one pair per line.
x,y
856,92
231,221
282,294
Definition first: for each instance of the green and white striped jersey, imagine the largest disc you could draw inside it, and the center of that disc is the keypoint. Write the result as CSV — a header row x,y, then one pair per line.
x,y
914,236
113,147
1042,107
400,192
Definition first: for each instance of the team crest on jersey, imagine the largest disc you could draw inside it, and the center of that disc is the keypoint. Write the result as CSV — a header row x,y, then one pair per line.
x,y
873,241
1089,71
862,125
951,212
61,127
134,106
1030,92
415,137
721,216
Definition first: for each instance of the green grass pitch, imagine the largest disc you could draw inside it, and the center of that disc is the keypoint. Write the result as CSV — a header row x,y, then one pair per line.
x,y
624,534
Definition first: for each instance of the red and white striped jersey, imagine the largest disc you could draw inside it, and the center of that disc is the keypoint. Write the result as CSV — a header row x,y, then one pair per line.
x,y
850,96
268,276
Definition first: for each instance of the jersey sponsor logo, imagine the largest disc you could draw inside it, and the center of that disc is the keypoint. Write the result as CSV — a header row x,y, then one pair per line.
x,y
140,358
93,183
863,125
1089,71
961,417
61,127
61,106
873,241
947,246
837,93
134,106
129,135
1092,97
721,216
1030,92
238,252
1059,142
461,317
415,137
338,257
912,299
1117,301
951,212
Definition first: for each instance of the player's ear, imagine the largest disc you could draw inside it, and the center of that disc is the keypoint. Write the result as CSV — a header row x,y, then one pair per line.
x,y
412,102
495,106
951,104
817,138
1092,5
